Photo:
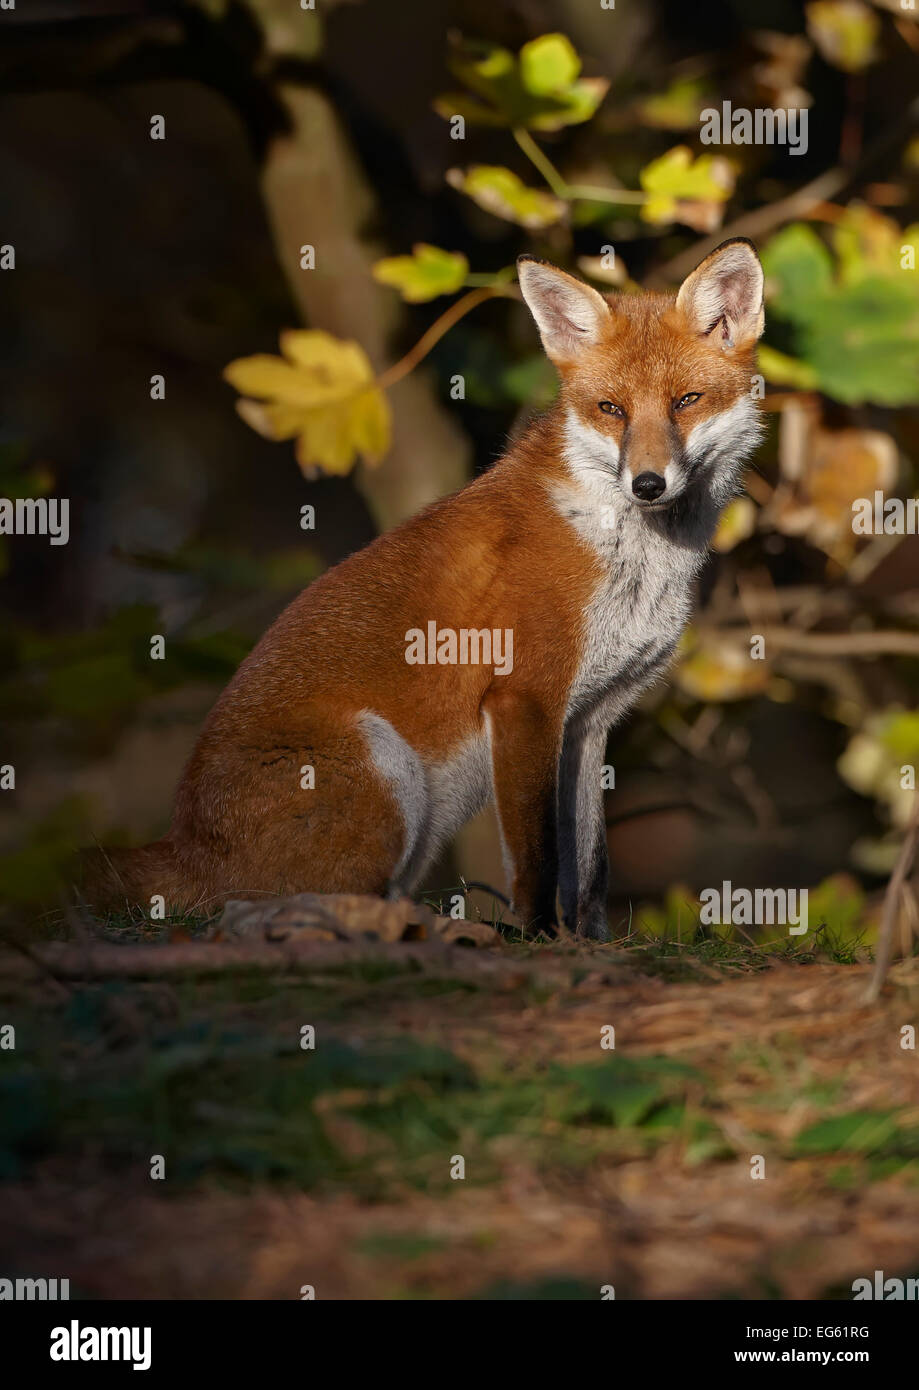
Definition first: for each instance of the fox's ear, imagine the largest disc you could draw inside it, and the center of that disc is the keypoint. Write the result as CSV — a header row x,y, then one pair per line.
x,y
724,295
569,314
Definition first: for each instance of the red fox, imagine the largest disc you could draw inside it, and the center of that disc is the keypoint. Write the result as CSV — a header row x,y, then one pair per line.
x,y
483,649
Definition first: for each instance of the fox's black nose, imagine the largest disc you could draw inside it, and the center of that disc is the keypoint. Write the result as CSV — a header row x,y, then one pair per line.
x,y
647,486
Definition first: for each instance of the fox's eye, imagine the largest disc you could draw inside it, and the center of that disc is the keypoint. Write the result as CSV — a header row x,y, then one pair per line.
x,y
687,399
609,409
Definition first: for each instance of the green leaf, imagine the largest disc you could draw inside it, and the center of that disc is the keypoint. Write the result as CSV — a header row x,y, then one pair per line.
x,y
900,735
782,370
574,107
475,112
675,109
798,269
548,64
425,274
486,69
500,192
864,344
861,1131
533,381
538,89
854,321
838,904
622,1091
604,1093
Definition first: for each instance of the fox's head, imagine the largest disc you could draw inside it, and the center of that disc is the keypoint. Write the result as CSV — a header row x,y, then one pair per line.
x,y
656,392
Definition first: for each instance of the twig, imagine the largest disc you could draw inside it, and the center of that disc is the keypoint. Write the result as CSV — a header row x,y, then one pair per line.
x,y
867,560
908,33
570,192
541,161
789,597
892,902
829,644
439,327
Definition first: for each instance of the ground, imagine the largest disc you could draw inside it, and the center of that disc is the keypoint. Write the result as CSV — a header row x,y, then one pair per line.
x,y
585,1165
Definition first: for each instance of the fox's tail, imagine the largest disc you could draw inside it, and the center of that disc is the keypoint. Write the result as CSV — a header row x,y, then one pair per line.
x,y
112,877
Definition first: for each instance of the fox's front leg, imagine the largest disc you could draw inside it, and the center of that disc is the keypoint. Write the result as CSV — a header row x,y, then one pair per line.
x,y
583,857
525,745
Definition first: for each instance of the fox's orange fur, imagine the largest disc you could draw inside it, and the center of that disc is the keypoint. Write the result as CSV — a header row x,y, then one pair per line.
x,y
329,686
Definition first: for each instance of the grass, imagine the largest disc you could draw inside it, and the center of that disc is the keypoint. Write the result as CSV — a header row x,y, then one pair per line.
x,y
211,1074
225,1088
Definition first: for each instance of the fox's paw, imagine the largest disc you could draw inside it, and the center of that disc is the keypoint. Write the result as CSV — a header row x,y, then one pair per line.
x,y
593,923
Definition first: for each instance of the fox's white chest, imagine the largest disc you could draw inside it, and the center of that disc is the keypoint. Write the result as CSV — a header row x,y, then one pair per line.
x,y
637,611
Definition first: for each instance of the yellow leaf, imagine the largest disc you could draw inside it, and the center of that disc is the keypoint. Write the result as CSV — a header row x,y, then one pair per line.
x,y
273,422
325,445
372,425
720,668
332,437
684,189
500,192
270,378
322,392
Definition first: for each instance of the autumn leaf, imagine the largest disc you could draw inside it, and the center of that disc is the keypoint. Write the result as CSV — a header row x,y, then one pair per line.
x,y
823,472
683,189
425,274
868,243
845,31
718,667
500,192
321,392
